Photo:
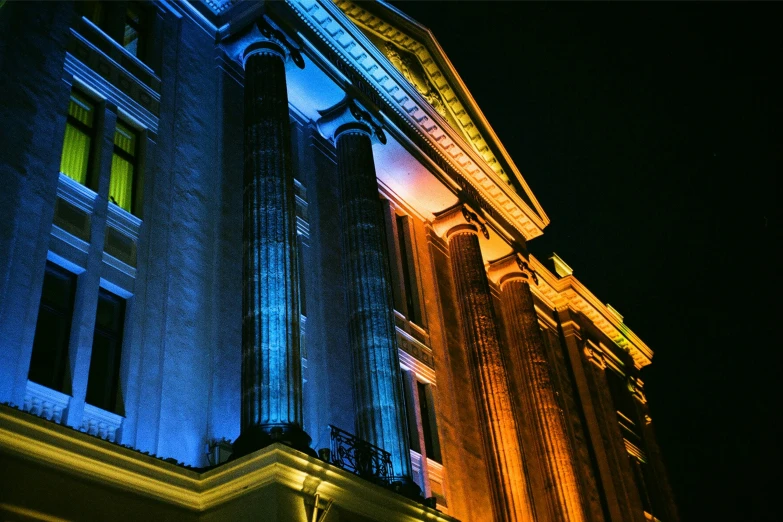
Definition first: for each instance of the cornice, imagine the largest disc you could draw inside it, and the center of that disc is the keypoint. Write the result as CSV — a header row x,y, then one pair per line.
x,y
54,446
380,27
569,292
450,88
340,34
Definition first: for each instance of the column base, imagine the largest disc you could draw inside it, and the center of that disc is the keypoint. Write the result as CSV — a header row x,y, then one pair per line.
x,y
406,487
254,438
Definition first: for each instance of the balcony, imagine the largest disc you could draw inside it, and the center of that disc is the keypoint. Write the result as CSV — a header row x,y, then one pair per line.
x,y
359,457
276,483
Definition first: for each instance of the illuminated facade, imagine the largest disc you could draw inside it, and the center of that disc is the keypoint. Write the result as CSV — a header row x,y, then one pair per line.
x,y
252,250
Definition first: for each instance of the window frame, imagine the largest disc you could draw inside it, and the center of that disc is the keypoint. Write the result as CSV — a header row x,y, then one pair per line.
x,y
110,400
132,159
90,180
58,380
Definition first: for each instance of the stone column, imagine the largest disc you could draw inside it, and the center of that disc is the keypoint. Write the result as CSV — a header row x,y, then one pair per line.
x,y
271,362
538,400
378,392
460,227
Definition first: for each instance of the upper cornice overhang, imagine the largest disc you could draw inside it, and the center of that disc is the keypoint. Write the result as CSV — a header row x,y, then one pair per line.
x,y
343,37
443,82
105,464
569,292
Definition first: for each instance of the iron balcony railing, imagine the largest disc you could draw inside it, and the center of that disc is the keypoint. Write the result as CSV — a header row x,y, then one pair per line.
x,y
360,457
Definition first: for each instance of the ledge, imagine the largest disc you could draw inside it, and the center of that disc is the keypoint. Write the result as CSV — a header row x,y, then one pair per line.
x,y
104,464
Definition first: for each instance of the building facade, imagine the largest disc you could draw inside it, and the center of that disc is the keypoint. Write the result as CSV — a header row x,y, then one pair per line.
x,y
268,260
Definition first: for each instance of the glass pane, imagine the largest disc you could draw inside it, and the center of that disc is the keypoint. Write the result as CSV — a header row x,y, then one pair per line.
x,y
121,183
130,39
100,382
106,350
425,419
76,154
125,138
81,109
413,429
53,327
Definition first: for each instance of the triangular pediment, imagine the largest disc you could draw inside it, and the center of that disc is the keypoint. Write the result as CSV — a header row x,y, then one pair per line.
x,y
414,52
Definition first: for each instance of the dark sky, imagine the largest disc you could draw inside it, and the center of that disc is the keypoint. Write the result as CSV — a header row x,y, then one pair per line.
x,y
650,133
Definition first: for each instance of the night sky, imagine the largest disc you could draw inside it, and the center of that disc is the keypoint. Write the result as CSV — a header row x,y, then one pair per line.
x,y
650,134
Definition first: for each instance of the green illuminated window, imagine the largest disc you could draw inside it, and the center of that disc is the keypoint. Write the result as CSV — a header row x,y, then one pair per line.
x,y
79,131
123,167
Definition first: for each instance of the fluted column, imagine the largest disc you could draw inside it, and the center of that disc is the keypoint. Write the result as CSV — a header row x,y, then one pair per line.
x,y
461,227
271,363
538,402
378,395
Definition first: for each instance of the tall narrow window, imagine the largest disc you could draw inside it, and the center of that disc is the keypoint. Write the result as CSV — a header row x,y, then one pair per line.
x,y
106,350
131,38
410,411
420,409
406,260
79,132
123,167
53,329
430,432
302,280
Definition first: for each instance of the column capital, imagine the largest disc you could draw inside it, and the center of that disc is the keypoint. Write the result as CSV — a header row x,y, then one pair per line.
x,y
458,220
595,355
261,38
511,268
349,116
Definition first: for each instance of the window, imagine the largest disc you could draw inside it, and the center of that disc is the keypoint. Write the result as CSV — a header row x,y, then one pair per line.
x,y
427,412
79,134
408,269
104,373
127,23
49,360
422,429
130,38
401,243
123,167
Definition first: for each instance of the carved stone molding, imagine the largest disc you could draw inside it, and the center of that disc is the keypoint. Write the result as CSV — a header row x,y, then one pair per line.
x,y
339,33
349,116
636,387
594,354
511,268
44,402
459,219
100,423
261,38
568,292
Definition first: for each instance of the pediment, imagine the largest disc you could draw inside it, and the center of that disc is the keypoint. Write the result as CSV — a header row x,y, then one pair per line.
x,y
414,52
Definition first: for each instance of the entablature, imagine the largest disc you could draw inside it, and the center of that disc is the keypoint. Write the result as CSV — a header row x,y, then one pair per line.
x,y
568,292
378,79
